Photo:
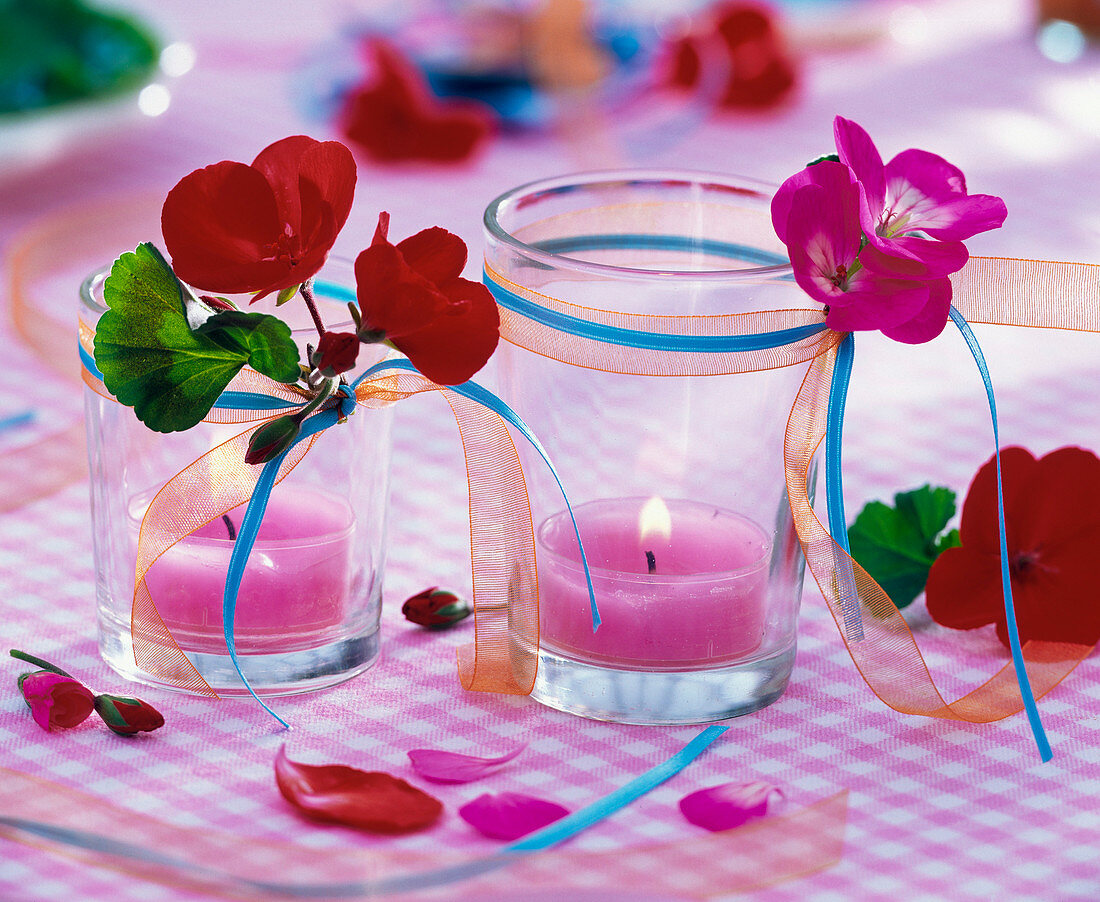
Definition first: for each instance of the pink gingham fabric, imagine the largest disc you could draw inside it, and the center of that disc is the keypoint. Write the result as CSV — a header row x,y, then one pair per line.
x,y
936,810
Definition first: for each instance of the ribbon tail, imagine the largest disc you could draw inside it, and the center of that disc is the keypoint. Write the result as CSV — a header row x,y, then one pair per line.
x,y
1022,678
487,399
887,656
834,487
246,538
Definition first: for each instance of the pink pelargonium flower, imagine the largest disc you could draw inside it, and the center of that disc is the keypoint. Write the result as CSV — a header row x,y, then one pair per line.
x,y
916,191
816,214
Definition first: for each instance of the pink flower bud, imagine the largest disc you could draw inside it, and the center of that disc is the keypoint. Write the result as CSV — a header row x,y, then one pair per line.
x,y
55,700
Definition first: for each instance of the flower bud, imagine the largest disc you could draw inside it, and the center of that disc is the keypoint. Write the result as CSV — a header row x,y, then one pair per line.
x,y
436,608
55,700
271,439
127,716
336,353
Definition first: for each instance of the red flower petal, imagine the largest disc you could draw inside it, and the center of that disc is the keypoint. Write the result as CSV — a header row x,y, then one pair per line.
x,y
393,299
339,794
451,767
964,588
728,805
336,353
436,254
449,329
456,344
217,222
509,815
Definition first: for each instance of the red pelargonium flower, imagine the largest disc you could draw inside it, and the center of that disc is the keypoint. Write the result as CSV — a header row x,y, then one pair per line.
x,y
744,39
411,295
394,117
266,227
55,700
1052,519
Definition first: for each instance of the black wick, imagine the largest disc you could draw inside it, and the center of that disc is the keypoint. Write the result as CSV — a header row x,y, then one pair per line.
x,y
651,561
230,528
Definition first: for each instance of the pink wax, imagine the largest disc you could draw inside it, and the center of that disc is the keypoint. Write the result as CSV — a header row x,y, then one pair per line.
x,y
297,581
704,601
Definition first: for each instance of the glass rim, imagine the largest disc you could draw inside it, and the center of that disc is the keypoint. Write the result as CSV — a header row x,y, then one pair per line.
x,y
99,275
731,183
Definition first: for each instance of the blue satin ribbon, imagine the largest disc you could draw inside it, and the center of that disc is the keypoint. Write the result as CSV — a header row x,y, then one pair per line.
x,y
651,341
1022,678
834,486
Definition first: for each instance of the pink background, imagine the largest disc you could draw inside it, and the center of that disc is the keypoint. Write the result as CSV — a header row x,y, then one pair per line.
x,y
937,809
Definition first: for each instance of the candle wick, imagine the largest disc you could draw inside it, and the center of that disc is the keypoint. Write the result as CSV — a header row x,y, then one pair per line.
x,y
651,561
230,528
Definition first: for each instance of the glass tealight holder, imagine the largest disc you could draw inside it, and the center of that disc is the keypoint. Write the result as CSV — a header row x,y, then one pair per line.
x,y
672,454
308,608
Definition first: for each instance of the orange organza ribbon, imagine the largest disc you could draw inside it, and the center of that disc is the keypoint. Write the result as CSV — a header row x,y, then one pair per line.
x,y
1041,294
501,534
73,823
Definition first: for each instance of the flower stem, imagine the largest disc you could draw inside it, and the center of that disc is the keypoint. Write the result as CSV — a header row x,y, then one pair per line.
x,y
37,662
306,288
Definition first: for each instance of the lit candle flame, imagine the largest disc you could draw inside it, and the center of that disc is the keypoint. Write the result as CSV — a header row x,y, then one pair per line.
x,y
655,522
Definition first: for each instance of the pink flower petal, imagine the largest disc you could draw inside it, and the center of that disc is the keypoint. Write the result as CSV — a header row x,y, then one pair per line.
x,y
856,149
338,794
509,815
932,193
931,320
728,805
451,767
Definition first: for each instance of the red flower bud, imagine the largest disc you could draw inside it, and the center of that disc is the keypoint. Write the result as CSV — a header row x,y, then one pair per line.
x,y
436,608
216,303
271,439
336,353
127,716
55,700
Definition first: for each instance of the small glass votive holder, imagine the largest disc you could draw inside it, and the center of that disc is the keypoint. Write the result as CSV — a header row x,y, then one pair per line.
x,y
613,287
308,607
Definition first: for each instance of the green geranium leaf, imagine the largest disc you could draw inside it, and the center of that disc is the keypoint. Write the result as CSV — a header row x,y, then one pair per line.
x,y
151,358
898,544
264,339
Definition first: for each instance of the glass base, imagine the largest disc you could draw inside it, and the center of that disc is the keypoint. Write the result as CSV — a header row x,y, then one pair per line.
x,y
661,697
274,674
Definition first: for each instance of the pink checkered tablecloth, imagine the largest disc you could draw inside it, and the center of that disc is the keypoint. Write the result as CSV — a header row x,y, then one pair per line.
x,y
936,809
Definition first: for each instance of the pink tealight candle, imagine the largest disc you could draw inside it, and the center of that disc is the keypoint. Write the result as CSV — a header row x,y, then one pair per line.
x,y
677,583
297,580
